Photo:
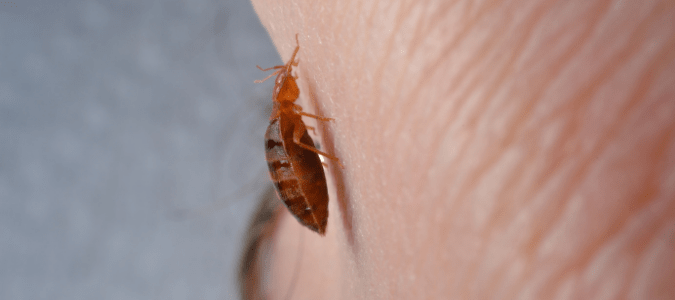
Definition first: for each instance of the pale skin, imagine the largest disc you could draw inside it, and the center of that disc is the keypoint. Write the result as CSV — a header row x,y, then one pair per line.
x,y
492,150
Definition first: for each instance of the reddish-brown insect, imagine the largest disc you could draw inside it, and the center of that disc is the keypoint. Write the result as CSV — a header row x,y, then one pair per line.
x,y
292,158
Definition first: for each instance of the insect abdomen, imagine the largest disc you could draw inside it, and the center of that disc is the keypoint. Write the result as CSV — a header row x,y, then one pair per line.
x,y
298,176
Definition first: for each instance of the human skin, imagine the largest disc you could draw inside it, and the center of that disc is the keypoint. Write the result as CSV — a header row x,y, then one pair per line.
x,y
516,149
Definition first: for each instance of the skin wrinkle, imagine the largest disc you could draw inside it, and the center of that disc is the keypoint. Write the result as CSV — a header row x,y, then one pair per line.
x,y
473,85
500,214
572,129
638,250
492,158
637,243
378,211
640,289
437,66
583,98
474,179
493,232
484,250
395,115
404,74
541,62
640,245
434,147
607,138
422,28
555,71
650,189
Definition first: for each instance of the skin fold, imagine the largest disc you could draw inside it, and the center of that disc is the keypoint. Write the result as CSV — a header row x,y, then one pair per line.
x,y
492,149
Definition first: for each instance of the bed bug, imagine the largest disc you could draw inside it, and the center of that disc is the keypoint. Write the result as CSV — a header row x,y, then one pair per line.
x,y
293,161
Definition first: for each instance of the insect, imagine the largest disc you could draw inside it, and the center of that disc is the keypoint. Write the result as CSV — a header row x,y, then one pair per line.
x,y
292,159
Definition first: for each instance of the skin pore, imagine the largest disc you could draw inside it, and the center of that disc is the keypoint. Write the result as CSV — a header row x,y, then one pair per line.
x,y
495,149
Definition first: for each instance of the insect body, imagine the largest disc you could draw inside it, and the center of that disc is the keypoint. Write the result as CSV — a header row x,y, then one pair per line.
x,y
292,159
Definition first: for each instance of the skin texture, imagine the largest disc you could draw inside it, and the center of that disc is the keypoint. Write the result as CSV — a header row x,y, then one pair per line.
x,y
516,149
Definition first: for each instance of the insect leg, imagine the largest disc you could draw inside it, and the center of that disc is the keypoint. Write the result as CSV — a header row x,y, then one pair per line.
x,y
299,131
315,116
311,128
270,68
300,112
268,77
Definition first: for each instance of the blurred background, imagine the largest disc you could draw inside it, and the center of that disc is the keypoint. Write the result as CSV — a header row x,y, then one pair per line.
x,y
131,146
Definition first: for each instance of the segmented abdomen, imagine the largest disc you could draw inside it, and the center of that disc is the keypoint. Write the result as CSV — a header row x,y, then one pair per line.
x,y
298,176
